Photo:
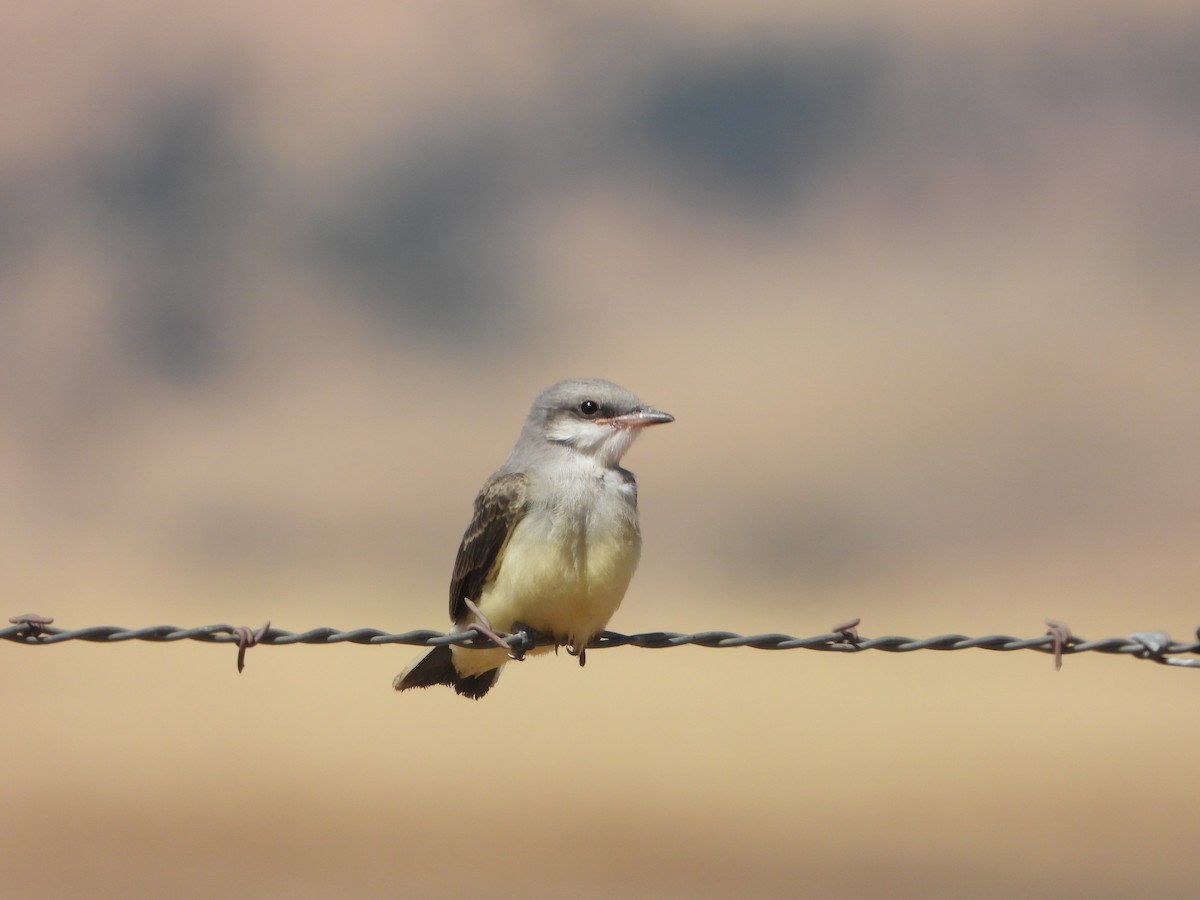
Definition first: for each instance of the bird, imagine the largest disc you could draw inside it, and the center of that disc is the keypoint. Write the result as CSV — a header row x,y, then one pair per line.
x,y
554,540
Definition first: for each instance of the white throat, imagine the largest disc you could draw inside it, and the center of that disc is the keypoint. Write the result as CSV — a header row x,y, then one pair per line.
x,y
605,444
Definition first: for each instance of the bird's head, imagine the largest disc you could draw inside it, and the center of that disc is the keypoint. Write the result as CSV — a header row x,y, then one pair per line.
x,y
593,417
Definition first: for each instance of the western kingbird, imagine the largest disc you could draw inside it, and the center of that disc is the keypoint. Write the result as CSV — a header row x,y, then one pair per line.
x,y
555,537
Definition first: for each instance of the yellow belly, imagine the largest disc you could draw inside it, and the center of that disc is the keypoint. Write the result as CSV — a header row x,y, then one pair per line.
x,y
560,584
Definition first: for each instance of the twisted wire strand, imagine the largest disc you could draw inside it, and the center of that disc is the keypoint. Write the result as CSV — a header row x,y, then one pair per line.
x,y
1156,646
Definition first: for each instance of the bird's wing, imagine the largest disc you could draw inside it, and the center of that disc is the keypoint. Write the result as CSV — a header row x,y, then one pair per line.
x,y
498,508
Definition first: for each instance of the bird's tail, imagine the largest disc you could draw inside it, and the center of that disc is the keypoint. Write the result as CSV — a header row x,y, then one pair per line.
x,y
437,667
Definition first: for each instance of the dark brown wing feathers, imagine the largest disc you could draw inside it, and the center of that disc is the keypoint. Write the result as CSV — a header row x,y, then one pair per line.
x,y
498,508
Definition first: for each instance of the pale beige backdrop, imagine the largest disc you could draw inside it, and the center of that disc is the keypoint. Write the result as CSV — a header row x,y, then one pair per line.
x,y
920,284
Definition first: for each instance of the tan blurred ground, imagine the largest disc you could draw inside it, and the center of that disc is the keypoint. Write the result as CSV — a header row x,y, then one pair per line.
x,y
936,366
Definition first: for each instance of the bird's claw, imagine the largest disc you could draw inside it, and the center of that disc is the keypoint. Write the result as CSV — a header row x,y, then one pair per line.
x,y
483,627
520,641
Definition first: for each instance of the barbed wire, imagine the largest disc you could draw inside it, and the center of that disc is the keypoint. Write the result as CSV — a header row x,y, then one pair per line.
x,y
36,630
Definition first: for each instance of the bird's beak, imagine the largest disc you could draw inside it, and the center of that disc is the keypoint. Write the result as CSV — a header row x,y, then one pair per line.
x,y
641,418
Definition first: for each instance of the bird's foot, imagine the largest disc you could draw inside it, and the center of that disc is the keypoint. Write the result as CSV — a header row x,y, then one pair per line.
x,y
483,627
521,641
581,652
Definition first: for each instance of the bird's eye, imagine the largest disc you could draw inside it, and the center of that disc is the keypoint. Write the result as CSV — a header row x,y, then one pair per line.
x,y
589,408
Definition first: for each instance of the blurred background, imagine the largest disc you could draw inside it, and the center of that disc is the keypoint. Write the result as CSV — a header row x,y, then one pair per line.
x,y
920,284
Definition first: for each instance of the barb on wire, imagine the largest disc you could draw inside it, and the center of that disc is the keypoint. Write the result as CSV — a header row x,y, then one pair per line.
x,y
248,637
1058,641
32,623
